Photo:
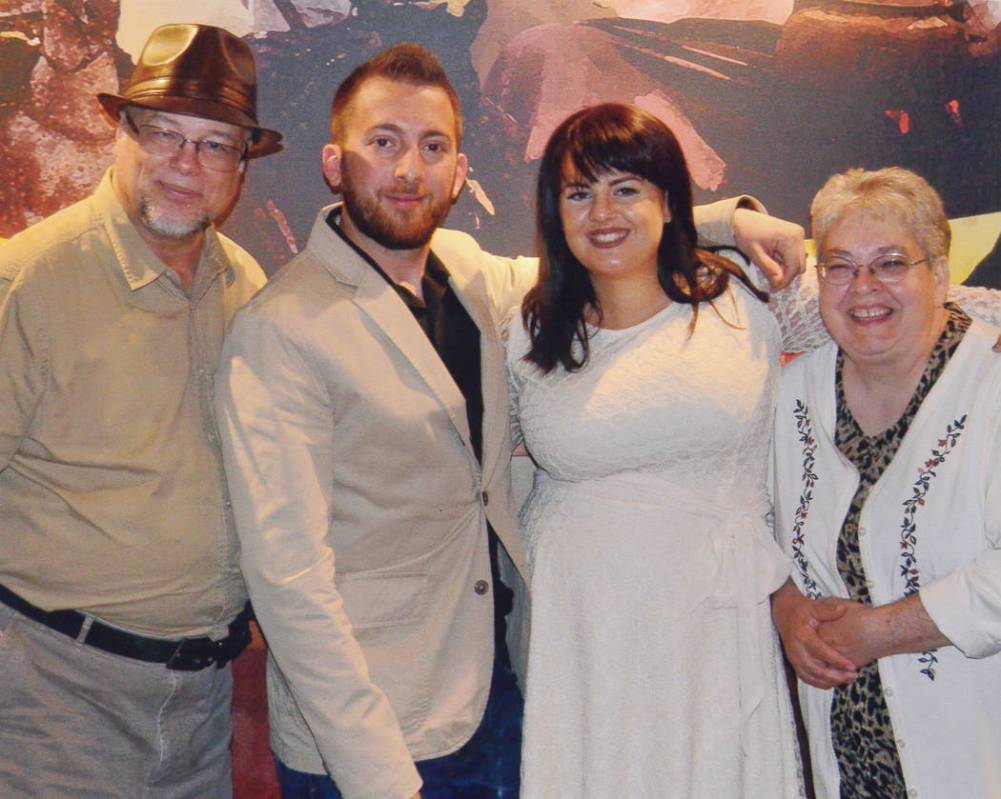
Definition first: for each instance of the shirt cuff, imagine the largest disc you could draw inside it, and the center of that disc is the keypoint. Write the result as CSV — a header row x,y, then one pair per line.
x,y
962,615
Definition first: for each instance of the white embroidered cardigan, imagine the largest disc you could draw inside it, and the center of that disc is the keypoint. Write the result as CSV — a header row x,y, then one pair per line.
x,y
932,523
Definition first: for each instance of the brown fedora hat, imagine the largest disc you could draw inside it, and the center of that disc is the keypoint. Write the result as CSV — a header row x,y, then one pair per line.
x,y
201,71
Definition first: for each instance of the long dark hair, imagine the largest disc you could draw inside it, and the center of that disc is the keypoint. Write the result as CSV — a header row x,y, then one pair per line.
x,y
593,141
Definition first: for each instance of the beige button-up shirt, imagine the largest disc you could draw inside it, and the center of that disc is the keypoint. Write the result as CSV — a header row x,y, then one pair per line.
x,y
112,495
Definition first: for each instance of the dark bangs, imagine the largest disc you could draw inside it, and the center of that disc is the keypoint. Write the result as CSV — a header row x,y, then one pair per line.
x,y
608,140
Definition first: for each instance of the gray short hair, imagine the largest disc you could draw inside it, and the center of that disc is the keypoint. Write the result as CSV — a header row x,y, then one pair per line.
x,y
893,193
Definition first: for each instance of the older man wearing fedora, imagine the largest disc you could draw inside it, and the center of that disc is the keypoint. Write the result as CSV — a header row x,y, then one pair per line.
x,y
121,602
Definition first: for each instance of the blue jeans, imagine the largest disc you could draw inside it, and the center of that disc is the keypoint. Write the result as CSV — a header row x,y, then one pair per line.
x,y
486,767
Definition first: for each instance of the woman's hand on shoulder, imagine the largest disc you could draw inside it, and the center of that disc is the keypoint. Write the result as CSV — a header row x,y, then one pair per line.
x,y
774,245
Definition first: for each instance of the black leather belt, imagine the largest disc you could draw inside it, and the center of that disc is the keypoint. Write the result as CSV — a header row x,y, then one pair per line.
x,y
185,654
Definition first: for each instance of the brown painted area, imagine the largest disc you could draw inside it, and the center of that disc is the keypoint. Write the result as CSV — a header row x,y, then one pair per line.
x,y
253,768
56,142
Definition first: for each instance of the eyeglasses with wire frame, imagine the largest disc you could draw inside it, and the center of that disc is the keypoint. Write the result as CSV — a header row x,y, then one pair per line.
x,y
891,267
212,154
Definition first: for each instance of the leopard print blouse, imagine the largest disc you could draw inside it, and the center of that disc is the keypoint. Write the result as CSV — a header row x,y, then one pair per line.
x,y
861,728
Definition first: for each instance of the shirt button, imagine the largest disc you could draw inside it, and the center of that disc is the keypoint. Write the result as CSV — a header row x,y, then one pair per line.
x,y
901,743
485,497
481,587
912,792
887,692
861,532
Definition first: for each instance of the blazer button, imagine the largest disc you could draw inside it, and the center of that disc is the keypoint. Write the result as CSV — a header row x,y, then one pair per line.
x,y
485,497
481,587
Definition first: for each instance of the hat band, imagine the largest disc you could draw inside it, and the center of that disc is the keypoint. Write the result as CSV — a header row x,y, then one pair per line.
x,y
222,93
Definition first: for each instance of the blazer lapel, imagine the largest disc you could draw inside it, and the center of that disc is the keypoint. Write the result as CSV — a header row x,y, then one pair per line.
x,y
380,302
385,308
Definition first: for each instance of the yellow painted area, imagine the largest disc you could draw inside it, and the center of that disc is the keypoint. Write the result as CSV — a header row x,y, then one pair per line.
x,y
973,238
455,7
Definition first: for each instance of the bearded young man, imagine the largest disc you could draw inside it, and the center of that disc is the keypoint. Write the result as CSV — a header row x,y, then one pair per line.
x,y
364,410
121,602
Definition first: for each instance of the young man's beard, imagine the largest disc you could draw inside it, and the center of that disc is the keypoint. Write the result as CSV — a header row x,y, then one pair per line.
x,y
392,231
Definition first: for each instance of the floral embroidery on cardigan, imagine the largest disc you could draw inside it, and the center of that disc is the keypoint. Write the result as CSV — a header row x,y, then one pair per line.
x,y
908,528
804,427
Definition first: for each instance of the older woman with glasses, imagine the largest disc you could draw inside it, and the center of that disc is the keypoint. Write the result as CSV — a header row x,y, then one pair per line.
x,y
888,500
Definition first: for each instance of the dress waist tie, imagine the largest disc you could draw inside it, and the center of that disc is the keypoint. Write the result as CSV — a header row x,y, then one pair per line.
x,y
750,565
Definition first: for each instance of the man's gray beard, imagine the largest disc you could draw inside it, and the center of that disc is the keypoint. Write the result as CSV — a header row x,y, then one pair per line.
x,y
375,223
169,228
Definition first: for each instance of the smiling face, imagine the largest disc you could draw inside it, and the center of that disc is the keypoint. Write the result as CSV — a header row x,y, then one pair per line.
x,y
396,165
174,197
613,224
877,324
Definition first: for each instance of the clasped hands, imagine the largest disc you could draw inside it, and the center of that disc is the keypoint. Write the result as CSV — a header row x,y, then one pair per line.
x,y
827,640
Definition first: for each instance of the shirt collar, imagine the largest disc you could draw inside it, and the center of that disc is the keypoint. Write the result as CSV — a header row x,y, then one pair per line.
x,y
434,270
139,264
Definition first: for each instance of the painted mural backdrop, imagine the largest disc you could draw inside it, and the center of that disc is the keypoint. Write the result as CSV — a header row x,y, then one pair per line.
x,y
767,96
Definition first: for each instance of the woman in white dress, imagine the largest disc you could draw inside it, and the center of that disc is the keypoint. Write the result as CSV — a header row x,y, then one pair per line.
x,y
643,383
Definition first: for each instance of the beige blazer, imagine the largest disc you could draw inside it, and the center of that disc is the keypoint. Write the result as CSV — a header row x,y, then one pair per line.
x,y
362,509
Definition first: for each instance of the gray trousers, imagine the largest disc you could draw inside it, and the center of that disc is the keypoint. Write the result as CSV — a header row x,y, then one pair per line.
x,y
79,723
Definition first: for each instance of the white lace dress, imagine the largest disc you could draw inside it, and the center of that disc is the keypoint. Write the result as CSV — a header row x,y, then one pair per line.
x,y
653,668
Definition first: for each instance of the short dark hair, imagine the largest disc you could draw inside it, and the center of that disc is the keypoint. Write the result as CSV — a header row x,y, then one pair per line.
x,y
594,141
406,63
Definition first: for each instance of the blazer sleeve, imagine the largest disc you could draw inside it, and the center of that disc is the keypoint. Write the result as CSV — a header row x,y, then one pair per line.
x,y
278,442
713,221
511,278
